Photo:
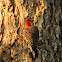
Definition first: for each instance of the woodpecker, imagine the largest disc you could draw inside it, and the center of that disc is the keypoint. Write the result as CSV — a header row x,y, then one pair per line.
x,y
31,36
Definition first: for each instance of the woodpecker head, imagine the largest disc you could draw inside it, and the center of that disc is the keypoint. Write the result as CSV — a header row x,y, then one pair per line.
x,y
27,23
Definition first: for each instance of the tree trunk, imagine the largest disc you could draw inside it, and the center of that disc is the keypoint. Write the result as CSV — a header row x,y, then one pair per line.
x,y
46,15
51,50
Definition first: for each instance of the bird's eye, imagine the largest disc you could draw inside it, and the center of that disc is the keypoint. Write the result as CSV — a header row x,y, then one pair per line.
x,y
32,20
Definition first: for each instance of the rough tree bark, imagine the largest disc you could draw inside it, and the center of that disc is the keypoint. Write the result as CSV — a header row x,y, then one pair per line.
x,y
52,46
47,17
